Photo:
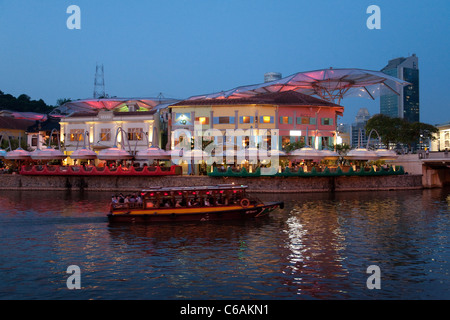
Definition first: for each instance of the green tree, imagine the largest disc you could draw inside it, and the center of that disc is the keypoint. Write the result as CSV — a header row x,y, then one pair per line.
x,y
23,103
291,146
396,130
411,133
342,149
62,101
388,128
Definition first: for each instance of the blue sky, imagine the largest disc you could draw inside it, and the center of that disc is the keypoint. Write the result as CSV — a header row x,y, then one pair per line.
x,y
185,48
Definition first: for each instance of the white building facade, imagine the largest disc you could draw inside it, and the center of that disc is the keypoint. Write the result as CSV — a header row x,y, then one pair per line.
x,y
131,131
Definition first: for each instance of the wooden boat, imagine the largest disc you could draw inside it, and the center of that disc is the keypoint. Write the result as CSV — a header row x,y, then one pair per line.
x,y
204,203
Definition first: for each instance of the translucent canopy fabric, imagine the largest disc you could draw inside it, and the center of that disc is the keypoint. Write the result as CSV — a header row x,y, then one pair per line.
x,y
27,115
90,105
329,84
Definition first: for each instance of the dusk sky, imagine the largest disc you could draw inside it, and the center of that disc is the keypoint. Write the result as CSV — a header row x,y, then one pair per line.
x,y
186,48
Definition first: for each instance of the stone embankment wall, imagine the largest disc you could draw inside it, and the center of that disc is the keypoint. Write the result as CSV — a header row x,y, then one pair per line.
x,y
259,184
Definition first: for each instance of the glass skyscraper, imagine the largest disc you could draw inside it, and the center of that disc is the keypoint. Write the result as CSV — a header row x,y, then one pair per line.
x,y
405,105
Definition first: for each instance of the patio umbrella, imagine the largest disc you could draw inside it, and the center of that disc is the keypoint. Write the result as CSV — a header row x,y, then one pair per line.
x,y
152,153
330,155
114,153
385,154
18,154
176,155
277,153
83,154
306,153
228,155
251,153
196,155
47,154
361,154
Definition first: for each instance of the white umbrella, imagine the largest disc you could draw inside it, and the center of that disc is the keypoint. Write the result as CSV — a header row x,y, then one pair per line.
x,y
18,154
196,155
361,154
330,155
251,153
47,154
306,153
152,153
384,154
114,153
83,154
277,153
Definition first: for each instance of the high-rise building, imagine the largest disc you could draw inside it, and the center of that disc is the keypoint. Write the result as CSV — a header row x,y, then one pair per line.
x,y
405,105
358,129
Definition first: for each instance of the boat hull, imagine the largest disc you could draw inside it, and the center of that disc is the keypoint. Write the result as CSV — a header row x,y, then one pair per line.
x,y
202,214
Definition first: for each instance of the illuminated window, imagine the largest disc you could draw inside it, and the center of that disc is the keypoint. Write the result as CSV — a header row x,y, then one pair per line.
x,y
105,134
246,119
135,134
202,120
76,134
266,119
285,120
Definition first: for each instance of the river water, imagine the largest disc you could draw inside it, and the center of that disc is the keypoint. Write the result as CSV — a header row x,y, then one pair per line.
x,y
318,247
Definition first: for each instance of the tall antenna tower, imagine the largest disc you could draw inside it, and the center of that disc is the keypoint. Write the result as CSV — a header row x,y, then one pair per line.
x,y
99,82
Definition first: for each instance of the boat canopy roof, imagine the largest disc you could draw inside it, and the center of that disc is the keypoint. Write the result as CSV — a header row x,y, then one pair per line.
x,y
197,188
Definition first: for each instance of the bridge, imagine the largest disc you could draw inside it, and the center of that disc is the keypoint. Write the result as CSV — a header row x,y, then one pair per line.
x,y
435,169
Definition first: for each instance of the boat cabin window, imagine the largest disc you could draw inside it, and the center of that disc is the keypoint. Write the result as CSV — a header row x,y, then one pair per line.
x,y
193,198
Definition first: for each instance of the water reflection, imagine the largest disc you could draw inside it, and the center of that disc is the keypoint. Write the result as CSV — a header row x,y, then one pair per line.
x,y
318,247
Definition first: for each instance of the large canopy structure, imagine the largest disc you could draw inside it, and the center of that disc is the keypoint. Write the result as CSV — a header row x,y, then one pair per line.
x,y
93,105
329,84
